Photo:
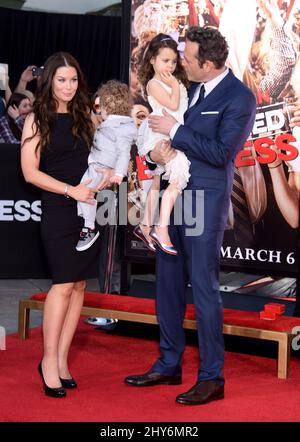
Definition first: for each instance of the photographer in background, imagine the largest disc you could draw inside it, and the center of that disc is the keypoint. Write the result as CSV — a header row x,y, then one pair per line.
x,y
30,73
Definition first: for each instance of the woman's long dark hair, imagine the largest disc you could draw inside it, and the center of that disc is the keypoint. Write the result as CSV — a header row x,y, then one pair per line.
x,y
45,105
15,100
145,69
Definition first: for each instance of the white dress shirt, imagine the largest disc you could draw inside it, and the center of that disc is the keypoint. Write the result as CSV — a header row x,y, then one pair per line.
x,y
209,86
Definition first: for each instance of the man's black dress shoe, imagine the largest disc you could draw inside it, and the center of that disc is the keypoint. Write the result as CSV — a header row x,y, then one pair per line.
x,y
202,393
52,392
68,383
152,378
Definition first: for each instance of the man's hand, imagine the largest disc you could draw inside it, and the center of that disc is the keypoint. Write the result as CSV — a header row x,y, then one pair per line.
x,y
106,176
162,124
163,152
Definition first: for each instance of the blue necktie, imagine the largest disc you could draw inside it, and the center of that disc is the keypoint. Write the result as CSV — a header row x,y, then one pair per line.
x,y
201,95
199,99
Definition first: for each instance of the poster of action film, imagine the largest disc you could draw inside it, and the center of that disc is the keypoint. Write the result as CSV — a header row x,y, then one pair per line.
x,y
264,41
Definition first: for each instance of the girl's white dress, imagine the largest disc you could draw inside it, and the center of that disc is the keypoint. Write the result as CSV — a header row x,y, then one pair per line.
x,y
177,170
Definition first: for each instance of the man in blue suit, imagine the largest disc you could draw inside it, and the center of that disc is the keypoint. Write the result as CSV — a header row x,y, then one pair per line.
x,y
218,121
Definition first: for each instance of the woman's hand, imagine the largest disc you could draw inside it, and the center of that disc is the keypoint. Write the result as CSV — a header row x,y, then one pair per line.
x,y
116,179
83,193
106,176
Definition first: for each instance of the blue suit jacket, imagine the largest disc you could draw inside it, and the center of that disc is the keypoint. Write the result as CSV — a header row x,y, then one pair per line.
x,y
212,134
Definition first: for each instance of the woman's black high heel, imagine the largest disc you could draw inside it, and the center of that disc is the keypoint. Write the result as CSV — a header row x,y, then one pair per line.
x,y
68,383
52,392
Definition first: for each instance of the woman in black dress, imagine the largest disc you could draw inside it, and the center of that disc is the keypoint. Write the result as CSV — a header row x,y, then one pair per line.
x,y
55,147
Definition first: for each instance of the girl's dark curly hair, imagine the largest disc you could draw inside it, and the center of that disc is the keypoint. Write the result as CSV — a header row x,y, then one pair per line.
x,y
45,105
145,69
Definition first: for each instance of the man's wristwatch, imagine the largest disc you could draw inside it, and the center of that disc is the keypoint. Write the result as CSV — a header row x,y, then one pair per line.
x,y
149,157
150,163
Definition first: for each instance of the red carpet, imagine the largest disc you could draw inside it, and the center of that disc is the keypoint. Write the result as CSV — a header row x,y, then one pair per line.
x,y
99,362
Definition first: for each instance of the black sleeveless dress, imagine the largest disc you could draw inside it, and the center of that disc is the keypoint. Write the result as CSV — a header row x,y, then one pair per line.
x,y
65,159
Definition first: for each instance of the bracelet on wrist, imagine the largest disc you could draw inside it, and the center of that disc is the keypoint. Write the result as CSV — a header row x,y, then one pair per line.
x,y
274,167
66,191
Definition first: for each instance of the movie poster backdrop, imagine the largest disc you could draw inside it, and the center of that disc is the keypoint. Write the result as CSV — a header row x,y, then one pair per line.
x,y
264,40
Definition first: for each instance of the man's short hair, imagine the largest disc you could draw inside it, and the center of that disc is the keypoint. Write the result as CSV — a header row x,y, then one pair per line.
x,y
212,45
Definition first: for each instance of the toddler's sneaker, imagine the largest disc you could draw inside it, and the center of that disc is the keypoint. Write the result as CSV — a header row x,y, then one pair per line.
x,y
87,237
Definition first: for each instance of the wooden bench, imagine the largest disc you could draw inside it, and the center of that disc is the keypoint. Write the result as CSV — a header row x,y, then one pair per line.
x,y
128,308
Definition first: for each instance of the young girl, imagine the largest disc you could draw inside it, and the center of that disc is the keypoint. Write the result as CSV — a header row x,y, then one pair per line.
x,y
164,82
110,150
